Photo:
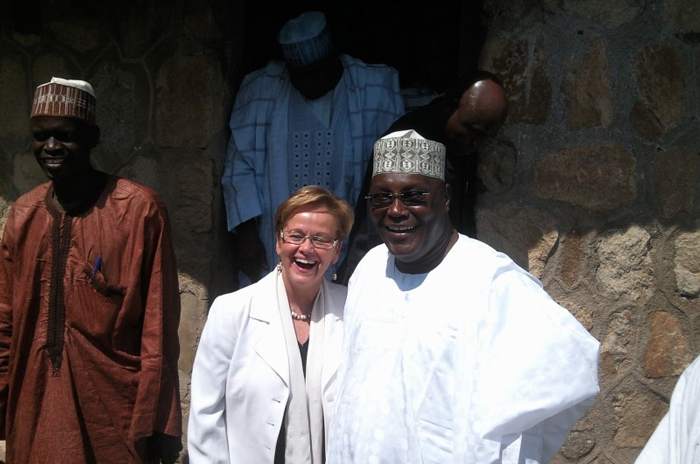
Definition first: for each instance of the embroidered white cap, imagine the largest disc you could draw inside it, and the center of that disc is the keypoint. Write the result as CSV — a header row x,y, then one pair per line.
x,y
305,39
408,152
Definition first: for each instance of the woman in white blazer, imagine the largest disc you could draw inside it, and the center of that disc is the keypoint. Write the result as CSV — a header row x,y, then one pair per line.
x,y
263,379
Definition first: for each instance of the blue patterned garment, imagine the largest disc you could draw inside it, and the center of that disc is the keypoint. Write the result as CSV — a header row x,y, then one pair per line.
x,y
257,174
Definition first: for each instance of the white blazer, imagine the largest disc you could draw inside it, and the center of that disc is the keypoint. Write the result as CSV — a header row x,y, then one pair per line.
x,y
240,379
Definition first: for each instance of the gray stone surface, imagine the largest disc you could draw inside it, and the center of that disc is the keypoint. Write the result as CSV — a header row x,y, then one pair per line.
x,y
496,168
676,180
687,263
176,85
610,13
597,178
13,96
617,345
667,352
683,16
587,88
636,412
661,81
624,263
522,64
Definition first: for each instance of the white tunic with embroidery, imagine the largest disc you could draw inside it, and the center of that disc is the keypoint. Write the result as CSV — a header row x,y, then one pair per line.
x,y
470,363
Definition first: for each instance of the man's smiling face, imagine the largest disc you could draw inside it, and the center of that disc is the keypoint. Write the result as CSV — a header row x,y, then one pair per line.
x,y
62,146
416,235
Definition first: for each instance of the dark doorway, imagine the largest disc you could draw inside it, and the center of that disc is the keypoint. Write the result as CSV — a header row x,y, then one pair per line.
x,y
420,39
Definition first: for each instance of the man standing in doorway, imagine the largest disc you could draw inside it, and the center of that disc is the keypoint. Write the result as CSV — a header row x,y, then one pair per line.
x,y
308,120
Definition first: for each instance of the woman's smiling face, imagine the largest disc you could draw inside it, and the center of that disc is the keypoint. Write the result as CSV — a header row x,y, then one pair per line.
x,y
303,265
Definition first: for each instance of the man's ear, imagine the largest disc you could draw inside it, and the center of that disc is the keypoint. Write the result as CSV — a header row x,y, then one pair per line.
x,y
448,195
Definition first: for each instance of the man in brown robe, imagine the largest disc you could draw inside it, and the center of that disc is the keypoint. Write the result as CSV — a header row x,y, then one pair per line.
x,y
89,305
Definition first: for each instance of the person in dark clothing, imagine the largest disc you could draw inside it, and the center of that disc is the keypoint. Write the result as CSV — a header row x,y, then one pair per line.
x,y
473,109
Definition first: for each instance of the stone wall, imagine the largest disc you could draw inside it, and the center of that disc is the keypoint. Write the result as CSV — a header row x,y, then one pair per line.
x,y
594,187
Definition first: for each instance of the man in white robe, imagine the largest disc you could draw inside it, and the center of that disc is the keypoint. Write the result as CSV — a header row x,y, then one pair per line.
x,y
309,120
676,440
452,353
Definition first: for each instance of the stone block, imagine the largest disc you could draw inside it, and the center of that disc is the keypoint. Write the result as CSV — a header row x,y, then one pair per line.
x,y
684,17
587,89
193,316
624,263
571,258
610,13
578,445
123,102
676,179
15,99
687,263
598,178
186,82
508,16
667,353
141,25
661,81
201,26
638,413
496,168
80,34
4,210
522,69
644,121
617,345
194,211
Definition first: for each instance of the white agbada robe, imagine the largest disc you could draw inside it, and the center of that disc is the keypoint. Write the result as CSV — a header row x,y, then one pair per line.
x,y
676,439
470,363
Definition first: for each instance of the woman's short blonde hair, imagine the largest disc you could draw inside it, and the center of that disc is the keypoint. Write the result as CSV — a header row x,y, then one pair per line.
x,y
311,197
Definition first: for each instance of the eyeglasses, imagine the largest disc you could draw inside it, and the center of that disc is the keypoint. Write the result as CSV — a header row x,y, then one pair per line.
x,y
410,198
297,237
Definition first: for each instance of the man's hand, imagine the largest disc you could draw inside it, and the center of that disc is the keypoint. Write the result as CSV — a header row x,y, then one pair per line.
x,y
249,251
163,449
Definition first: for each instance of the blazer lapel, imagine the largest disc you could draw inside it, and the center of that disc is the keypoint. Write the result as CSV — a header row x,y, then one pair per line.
x,y
271,346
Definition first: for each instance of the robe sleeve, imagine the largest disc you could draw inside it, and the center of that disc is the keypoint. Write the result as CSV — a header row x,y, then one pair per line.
x,y
157,406
246,151
6,283
207,442
544,363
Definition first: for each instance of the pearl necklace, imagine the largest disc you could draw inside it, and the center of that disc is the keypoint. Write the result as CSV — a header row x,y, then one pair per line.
x,y
300,317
